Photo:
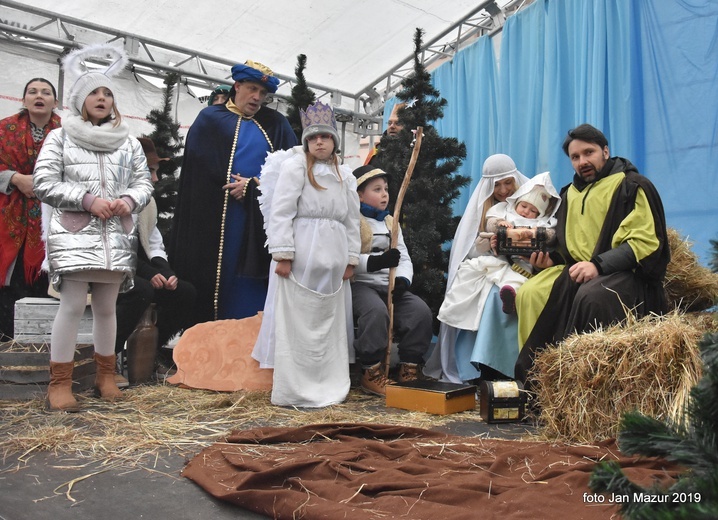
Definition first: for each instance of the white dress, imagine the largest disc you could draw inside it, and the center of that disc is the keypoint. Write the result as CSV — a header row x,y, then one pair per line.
x,y
304,333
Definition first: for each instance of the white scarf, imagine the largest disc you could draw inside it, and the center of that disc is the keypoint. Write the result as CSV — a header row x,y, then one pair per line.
x,y
103,138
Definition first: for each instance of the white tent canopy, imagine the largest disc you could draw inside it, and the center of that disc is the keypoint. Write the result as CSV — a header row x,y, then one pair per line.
x,y
357,52
349,44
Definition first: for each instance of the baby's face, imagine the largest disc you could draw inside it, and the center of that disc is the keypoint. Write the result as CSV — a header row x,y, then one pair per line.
x,y
527,210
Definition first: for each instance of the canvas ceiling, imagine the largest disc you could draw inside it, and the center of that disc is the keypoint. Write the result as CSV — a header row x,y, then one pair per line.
x,y
349,44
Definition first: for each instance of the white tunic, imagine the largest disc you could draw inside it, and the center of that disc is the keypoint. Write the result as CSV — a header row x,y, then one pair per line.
x,y
319,231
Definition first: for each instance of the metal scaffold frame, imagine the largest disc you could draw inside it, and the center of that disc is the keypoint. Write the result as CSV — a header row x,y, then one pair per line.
x,y
486,19
56,34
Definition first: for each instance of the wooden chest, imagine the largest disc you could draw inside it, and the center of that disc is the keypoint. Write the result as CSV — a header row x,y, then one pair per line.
x,y
431,397
25,369
501,401
34,317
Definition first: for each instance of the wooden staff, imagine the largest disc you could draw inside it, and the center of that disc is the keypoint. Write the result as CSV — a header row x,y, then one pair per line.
x,y
395,239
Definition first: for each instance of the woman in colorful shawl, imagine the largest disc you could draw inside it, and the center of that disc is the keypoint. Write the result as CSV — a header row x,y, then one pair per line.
x,y
21,246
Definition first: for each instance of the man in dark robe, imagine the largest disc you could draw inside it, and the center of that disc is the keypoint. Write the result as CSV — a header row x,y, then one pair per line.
x,y
217,237
611,256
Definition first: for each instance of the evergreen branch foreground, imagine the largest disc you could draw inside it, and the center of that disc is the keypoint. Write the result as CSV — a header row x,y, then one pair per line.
x,y
690,442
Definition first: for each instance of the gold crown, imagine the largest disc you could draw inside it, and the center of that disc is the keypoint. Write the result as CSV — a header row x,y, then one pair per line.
x,y
260,67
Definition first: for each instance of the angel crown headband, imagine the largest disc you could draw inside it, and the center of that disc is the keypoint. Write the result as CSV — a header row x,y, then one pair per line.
x,y
87,80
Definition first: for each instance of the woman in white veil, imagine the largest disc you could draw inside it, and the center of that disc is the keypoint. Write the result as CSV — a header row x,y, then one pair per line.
x,y
499,179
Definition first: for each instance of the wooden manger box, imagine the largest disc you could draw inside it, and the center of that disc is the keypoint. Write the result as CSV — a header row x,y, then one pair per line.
x,y
25,369
508,245
431,397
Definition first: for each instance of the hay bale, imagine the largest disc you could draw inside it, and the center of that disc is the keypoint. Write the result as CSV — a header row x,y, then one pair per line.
x,y
689,286
585,383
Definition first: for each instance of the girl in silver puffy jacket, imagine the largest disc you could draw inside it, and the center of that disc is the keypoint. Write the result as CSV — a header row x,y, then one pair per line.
x,y
94,176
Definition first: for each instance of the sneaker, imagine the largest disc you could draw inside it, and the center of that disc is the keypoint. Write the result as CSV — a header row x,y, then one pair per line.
x,y
412,372
120,381
508,298
374,381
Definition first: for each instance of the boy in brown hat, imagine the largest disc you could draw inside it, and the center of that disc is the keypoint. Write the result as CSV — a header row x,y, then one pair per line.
x,y
370,286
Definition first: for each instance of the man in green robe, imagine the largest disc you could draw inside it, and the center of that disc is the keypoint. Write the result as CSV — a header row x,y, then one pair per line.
x,y
611,256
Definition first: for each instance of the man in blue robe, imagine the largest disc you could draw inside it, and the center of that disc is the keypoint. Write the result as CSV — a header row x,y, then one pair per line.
x,y
217,237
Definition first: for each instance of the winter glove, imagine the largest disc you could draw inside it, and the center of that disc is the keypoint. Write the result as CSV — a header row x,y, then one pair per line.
x,y
389,258
401,285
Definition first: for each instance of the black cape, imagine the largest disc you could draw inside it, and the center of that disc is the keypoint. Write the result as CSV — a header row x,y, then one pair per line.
x,y
194,239
561,315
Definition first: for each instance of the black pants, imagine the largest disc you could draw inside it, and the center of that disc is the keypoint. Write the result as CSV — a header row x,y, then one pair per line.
x,y
575,307
174,310
17,290
412,324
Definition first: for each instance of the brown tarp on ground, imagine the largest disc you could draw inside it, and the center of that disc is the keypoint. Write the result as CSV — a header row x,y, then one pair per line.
x,y
368,471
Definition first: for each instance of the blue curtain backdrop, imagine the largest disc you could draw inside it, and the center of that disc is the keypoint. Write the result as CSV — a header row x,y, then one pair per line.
x,y
471,80
643,71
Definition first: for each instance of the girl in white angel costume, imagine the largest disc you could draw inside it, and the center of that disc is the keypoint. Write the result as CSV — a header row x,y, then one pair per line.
x,y
311,212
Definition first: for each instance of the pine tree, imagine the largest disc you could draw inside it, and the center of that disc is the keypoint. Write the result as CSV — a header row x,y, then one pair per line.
x,y
302,96
428,222
168,143
691,443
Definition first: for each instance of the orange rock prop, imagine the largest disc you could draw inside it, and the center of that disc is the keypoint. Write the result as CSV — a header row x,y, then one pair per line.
x,y
217,356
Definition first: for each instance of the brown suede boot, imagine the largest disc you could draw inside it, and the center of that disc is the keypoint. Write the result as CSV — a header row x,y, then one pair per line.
x,y
105,385
373,380
412,372
59,391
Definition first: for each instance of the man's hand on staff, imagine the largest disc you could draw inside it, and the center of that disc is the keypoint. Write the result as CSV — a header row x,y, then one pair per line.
x,y
237,188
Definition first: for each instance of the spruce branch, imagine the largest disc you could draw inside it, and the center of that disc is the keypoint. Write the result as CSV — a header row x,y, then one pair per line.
x,y
690,443
168,143
302,96
427,219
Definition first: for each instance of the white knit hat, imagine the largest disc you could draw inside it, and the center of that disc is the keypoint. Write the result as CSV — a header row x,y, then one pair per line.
x,y
89,80
538,197
86,84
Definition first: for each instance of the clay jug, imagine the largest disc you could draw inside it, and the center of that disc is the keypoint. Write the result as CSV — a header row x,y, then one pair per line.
x,y
142,348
